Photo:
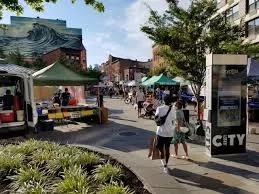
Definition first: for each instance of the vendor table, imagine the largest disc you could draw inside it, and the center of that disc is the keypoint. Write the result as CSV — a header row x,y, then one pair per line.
x,y
72,112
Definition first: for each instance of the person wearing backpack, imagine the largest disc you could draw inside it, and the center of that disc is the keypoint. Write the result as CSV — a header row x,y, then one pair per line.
x,y
164,119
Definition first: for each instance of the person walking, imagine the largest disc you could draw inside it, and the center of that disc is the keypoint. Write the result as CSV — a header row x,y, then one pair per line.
x,y
140,98
157,93
65,97
165,132
179,137
111,92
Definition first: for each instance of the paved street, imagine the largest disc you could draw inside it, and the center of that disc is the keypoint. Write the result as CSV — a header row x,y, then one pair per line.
x,y
126,138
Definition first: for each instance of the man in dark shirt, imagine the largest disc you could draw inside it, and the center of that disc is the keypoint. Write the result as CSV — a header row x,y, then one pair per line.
x,y
8,101
65,97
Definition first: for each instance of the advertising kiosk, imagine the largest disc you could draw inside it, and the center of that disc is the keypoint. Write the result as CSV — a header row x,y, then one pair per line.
x,y
226,109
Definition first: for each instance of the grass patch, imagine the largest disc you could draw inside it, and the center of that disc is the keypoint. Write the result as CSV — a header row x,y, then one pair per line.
x,y
74,181
107,173
40,167
9,163
114,188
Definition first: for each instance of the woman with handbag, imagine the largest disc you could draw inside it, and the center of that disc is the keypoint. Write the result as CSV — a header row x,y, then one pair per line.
x,y
164,133
180,129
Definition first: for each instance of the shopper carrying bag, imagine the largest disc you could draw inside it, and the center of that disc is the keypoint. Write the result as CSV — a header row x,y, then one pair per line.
x,y
180,128
164,121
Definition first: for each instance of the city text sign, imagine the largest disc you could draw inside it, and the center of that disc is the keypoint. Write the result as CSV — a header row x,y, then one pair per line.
x,y
225,104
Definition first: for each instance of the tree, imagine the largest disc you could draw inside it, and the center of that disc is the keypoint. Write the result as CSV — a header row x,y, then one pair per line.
x,y
157,70
73,65
16,58
38,5
186,36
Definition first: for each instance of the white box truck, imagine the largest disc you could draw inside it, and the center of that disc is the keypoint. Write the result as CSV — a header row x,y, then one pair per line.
x,y
17,106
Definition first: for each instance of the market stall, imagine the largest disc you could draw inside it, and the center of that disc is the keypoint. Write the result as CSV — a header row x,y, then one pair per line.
x,y
162,82
59,75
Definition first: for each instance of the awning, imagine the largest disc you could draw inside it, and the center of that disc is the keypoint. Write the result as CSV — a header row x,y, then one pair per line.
x,y
143,79
160,80
59,75
182,81
11,68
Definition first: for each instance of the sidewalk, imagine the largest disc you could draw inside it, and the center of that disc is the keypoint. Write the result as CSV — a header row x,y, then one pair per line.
x,y
126,138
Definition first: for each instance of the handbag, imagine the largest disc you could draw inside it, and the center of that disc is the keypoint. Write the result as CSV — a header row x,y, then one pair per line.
x,y
186,128
154,153
161,120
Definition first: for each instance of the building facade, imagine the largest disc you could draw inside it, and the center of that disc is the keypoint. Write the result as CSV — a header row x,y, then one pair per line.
x,y
157,59
119,69
246,11
47,38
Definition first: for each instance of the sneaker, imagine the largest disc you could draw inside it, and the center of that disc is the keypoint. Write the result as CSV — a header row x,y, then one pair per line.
x,y
166,170
175,156
185,157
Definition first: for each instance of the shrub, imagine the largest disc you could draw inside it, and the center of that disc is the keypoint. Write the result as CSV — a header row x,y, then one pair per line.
x,y
60,162
31,179
22,149
74,181
33,188
107,173
40,157
114,188
9,163
70,156
48,146
87,158
71,150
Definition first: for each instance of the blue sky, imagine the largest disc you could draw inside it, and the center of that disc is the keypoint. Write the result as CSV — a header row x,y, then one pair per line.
x,y
114,32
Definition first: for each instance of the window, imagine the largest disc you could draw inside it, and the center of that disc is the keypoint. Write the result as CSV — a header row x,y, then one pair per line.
x,y
77,58
253,27
252,5
67,56
72,57
233,13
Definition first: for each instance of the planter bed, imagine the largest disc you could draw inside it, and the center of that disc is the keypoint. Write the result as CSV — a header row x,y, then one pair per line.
x,y
41,167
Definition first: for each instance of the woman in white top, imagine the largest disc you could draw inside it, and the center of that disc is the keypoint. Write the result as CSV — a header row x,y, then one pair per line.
x,y
165,132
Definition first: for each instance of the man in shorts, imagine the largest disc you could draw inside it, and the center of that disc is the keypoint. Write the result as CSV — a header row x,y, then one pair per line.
x,y
166,131
140,98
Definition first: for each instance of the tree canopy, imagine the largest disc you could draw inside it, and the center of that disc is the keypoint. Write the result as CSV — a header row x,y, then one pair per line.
x,y
185,37
38,5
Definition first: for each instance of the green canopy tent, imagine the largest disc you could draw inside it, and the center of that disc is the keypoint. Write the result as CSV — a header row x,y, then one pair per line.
x,y
160,80
60,75
143,79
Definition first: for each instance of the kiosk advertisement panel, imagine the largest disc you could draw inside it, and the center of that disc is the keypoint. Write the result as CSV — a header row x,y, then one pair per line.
x,y
226,108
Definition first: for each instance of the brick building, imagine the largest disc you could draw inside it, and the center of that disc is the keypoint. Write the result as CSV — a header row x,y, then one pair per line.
x,y
157,59
71,54
119,69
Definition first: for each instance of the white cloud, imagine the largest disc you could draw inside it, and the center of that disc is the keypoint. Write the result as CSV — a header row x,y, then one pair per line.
x,y
136,44
110,22
136,15
97,38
